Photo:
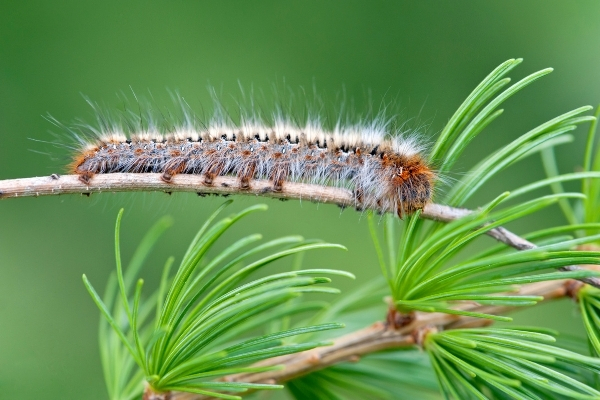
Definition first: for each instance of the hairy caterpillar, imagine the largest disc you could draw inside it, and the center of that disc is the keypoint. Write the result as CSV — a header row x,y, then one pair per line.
x,y
384,170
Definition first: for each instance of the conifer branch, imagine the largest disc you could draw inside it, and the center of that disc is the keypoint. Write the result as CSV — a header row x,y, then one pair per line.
x,y
378,337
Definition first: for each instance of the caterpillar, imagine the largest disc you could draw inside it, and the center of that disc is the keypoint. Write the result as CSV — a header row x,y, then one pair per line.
x,y
384,170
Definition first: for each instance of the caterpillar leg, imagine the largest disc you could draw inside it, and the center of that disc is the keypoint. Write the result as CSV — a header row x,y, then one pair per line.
x,y
246,174
86,176
279,176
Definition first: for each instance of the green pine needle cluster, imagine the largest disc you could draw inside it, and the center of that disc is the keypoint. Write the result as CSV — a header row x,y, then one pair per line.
x,y
427,278
583,215
199,324
421,266
507,363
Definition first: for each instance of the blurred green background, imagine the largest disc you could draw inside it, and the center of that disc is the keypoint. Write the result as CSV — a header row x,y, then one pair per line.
x,y
427,54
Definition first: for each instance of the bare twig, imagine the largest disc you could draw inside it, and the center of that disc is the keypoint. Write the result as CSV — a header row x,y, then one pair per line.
x,y
226,185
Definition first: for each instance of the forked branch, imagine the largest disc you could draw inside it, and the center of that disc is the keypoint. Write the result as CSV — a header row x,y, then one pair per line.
x,y
378,337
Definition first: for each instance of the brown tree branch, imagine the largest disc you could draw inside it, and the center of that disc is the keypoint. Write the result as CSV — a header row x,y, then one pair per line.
x,y
378,337
226,185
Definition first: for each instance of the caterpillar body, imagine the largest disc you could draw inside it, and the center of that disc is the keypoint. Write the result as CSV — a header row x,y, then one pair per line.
x,y
384,171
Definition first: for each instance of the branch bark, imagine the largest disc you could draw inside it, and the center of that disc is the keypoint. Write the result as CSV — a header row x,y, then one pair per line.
x,y
378,337
227,185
